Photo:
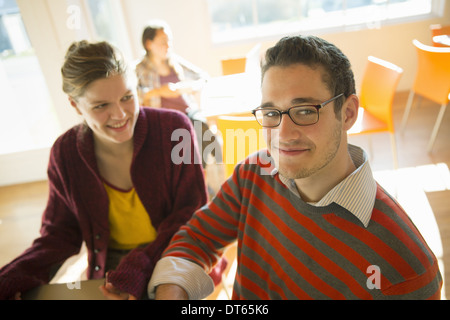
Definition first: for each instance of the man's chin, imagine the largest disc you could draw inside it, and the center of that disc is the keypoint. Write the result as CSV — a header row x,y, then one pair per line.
x,y
294,173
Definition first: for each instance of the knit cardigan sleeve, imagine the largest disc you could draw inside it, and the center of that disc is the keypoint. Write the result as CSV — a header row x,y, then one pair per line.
x,y
169,190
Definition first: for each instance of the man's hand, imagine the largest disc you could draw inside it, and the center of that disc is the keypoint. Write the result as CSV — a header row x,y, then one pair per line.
x,y
112,293
170,292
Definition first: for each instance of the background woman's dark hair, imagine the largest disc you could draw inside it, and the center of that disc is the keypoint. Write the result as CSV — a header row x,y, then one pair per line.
x,y
151,28
86,62
313,51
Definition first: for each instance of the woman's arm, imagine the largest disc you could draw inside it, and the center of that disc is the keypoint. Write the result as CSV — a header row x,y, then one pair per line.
x,y
60,238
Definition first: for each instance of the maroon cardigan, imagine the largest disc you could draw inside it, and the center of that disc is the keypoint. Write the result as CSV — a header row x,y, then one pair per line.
x,y
77,208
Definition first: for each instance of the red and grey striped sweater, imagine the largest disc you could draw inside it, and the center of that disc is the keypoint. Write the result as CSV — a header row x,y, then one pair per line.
x,y
288,249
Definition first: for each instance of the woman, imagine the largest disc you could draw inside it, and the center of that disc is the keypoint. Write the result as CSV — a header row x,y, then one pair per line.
x,y
112,182
165,80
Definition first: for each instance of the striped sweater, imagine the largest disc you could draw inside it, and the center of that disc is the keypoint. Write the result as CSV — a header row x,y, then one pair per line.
x,y
288,249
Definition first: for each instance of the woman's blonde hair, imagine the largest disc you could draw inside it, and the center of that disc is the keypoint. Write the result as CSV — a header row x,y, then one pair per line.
x,y
86,62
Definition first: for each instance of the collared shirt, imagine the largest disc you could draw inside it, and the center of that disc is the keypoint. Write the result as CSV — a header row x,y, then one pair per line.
x,y
356,193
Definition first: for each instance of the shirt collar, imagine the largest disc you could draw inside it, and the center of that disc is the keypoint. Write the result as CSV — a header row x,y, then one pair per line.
x,y
356,193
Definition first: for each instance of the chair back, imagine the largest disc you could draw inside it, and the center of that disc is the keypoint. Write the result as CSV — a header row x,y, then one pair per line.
x,y
241,136
233,66
438,30
378,88
433,73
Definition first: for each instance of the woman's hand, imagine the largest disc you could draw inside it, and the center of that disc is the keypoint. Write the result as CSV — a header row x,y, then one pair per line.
x,y
112,293
169,90
166,91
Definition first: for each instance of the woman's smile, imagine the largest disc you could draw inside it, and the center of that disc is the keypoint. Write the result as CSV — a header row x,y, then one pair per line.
x,y
119,126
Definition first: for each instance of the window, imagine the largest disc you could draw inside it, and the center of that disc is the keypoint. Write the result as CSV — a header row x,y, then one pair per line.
x,y
102,13
249,19
28,118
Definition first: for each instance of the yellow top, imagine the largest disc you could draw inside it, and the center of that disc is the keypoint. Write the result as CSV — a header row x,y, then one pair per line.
x,y
129,222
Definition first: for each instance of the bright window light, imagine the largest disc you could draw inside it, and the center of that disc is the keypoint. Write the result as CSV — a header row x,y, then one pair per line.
x,y
234,20
29,118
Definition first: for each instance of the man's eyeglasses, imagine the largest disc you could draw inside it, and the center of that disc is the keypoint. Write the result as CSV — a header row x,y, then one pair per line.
x,y
304,115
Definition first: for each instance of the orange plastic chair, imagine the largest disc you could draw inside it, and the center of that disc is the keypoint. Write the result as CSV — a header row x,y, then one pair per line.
x,y
378,88
439,30
241,136
233,66
432,82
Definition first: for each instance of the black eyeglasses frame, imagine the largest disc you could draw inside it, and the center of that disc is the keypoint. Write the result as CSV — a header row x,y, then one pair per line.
x,y
281,113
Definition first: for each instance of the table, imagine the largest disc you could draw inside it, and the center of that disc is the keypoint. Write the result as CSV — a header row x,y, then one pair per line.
x,y
80,290
235,94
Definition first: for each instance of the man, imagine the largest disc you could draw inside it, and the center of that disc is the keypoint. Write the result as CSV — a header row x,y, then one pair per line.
x,y
318,226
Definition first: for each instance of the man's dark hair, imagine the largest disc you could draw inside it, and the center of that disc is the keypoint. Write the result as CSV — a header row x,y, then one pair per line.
x,y
313,52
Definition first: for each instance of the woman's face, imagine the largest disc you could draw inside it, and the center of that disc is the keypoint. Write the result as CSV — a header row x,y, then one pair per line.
x,y
110,108
160,45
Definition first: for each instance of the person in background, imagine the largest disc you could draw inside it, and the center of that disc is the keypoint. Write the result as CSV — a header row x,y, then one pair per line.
x,y
112,182
166,80
311,223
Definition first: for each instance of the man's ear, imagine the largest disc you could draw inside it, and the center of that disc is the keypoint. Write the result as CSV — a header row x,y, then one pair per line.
x,y
350,111
74,104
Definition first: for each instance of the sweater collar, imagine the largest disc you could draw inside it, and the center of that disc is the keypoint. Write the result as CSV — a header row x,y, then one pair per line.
x,y
356,193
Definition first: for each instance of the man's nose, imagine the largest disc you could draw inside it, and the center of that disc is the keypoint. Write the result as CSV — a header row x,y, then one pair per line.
x,y
287,128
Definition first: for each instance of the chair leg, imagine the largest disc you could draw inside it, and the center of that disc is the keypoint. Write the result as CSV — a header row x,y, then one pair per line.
x,y
436,127
407,111
394,150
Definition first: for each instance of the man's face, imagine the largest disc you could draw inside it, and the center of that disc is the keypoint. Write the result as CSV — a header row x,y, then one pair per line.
x,y
301,151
